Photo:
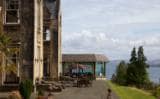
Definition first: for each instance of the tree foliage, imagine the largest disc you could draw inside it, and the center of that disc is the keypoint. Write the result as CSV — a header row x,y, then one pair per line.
x,y
136,71
26,89
141,63
133,73
121,73
133,56
6,52
4,42
141,56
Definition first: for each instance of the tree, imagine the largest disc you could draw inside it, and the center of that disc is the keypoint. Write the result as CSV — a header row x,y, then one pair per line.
x,y
131,70
121,73
7,65
141,56
132,74
136,71
5,51
133,56
4,42
142,65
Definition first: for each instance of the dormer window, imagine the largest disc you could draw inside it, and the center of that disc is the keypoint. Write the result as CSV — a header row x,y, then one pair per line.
x,y
12,12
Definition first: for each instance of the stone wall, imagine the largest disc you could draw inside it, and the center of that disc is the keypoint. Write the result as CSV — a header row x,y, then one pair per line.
x,y
22,34
54,46
27,36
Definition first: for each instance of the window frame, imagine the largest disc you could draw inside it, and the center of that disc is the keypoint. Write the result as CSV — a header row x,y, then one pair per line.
x,y
6,9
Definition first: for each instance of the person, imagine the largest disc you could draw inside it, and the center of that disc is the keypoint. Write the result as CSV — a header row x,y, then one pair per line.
x,y
109,96
100,74
50,96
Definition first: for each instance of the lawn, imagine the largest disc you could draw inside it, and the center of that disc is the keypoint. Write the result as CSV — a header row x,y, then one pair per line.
x,y
130,92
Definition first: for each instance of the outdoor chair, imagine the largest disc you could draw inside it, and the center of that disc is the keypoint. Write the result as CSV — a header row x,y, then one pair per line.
x,y
84,82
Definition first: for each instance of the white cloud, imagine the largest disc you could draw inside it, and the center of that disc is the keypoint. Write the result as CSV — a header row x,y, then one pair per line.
x,y
112,27
91,42
147,41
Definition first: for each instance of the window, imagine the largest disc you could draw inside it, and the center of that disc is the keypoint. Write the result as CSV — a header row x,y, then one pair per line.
x,y
47,35
12,12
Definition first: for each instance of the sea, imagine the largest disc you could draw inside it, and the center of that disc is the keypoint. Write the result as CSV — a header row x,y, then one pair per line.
x,y
153,71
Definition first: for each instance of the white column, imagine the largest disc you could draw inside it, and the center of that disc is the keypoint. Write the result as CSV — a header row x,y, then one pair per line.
x,y
38,40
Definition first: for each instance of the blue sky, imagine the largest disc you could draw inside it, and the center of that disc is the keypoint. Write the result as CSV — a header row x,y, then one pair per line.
x,y
111,27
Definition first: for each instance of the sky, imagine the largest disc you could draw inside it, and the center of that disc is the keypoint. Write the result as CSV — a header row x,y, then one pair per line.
x,y
111,27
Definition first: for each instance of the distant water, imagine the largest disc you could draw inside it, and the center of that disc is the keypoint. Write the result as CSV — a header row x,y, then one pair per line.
x,y
154,72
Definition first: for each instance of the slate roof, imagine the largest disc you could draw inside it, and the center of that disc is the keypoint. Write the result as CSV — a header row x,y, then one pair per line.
x,y
84,58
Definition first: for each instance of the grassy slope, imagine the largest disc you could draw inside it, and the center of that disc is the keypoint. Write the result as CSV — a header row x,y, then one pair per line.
x,y
130,93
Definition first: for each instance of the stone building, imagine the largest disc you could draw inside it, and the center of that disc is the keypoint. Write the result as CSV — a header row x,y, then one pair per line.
x,y
34,27
52,38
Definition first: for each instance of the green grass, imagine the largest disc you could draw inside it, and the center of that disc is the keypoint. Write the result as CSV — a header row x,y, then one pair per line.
x,y
130,92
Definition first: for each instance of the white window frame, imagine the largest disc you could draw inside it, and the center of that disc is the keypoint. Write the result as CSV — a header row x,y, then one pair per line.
x,y
18,13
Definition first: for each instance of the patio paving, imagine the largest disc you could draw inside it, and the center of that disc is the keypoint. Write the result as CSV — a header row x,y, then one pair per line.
x,y
4,95
97,91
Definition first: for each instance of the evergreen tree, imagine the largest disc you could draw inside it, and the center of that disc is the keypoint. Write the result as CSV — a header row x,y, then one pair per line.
x,y
131,70
141,56
141,63
121,73
132,74
136,71
133,56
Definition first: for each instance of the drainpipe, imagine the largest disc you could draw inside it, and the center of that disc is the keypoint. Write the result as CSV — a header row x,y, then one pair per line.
x,y
2,55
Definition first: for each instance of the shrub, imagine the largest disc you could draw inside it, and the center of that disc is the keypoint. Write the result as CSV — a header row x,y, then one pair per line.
x,y
113,79
26,89
40,93
150,86
157,92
